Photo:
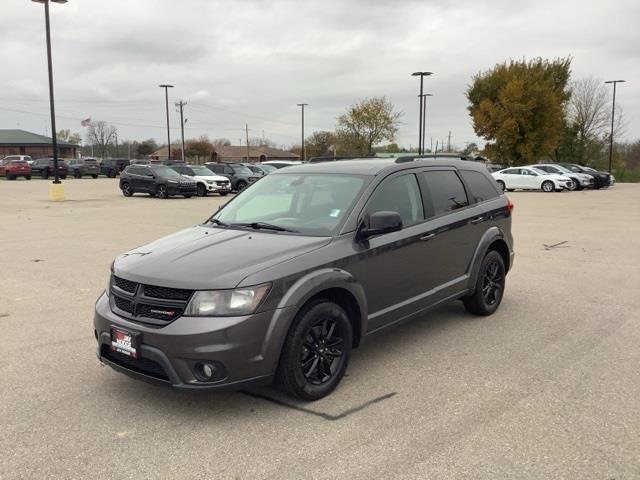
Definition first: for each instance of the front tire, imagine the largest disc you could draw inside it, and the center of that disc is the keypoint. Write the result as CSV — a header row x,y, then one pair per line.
x,y
77,174
224,194
11,177
241,185
202,190
111,174
95,175
548,186
162,192
502,186
489,286
45,174
28,177
316,351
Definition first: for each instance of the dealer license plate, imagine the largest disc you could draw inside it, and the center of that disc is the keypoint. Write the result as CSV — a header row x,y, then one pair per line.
x,y
125,342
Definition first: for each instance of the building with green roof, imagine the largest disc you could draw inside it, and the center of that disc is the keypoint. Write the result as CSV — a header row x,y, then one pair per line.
x,y
21,142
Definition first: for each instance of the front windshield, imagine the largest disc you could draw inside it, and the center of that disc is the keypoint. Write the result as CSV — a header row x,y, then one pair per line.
x,y
202,171
539,171
562,169
267,168
589,169
313,204
574,168
166,172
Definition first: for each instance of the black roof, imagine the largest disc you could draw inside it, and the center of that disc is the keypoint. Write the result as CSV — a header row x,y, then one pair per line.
x,y
375,166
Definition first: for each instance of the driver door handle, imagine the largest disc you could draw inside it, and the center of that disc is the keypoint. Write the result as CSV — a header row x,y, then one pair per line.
x,y
427,237
477,220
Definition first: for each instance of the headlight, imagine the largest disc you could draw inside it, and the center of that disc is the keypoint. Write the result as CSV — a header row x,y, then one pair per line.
x,y
210,181
172,181
217,303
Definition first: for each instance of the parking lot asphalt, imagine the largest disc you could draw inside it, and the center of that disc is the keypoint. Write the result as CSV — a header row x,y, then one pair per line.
x,y
548,387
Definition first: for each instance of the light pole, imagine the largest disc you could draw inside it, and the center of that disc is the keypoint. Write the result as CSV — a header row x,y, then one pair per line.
x,y
421,75
166,100
303,153
424,119
613,116
54,138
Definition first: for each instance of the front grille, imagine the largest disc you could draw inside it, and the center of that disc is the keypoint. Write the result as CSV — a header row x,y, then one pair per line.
x,y
123,304
168,293
149,304
222,184
145,366
126,285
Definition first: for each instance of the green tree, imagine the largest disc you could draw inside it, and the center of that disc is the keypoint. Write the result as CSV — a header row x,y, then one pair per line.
x,y
66,136
200,147
366,124
320,144
518,107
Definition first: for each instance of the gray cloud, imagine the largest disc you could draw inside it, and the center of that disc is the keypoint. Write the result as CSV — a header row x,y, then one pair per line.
x,y
252,61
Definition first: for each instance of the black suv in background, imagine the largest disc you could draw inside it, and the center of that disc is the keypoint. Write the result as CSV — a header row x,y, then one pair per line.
x,y
44,168
296,271
239,175
113,166
81,167
600,179
156,180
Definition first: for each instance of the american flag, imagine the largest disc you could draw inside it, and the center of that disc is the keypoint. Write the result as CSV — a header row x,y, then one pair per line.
x,y
86,122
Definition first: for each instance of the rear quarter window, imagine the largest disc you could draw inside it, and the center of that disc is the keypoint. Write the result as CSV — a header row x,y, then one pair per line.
x,y
446,191
480,186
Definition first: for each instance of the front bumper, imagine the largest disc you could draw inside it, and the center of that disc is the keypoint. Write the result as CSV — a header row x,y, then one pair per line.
x,y
214,188
181,189
245,349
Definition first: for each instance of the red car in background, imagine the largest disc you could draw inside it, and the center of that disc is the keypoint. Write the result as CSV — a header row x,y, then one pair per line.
x,y
13,169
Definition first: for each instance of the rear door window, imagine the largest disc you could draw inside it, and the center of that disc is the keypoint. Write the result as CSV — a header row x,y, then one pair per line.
x,y
446,191
481,187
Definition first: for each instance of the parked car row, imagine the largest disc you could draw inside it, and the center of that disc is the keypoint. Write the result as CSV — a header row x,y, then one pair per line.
x,y
552,177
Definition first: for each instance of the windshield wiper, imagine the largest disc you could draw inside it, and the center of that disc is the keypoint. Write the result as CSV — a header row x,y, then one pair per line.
x,y
264,226
219,222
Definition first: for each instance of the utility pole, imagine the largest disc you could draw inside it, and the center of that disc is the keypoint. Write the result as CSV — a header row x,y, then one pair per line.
x,y
166,99
613,116
246,126
420,125
181,105
431,144
436,147
449,142
303,153
117,155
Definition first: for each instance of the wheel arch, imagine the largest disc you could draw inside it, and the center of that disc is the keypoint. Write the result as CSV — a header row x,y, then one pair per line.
x,y
333,284
493,239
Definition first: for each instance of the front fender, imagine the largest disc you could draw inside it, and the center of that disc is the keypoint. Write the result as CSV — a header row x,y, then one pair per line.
x,y
317,281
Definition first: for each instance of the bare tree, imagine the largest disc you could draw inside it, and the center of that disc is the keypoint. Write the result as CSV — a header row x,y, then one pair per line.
x,y
588,108
101,135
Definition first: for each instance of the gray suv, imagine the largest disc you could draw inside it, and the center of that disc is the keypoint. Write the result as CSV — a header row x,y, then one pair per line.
x,y
239,175
330,253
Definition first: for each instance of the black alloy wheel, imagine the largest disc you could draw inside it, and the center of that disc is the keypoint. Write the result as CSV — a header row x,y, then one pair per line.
x,y
241,185
489,287
316,351
126,189
162,192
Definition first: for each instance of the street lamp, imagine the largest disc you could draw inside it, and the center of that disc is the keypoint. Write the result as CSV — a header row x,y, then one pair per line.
x,y
303,152
420,127
613,115
54,139
166,100
424,118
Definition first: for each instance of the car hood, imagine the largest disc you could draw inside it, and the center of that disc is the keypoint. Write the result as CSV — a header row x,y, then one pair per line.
x,y
215,178
210,258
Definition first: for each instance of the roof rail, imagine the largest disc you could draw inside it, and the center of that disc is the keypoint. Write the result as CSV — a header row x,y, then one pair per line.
x,y
431,156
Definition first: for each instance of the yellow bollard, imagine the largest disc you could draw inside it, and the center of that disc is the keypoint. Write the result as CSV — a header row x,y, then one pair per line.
x,y
56,192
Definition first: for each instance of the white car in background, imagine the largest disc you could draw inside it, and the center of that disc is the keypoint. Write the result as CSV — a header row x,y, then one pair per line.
x,y
580,180
206,180
531,178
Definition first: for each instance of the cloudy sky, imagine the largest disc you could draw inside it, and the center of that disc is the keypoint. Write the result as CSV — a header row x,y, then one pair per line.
x,y
237,62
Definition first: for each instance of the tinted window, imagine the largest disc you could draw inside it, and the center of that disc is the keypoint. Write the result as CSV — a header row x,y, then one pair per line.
x,y
446,191
228,170
511,171
481,187
138,171
399,194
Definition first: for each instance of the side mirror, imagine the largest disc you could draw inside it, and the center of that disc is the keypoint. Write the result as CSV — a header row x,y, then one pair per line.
x,y
379,223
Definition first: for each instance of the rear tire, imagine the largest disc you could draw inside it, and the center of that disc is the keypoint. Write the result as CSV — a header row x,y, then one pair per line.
x,y
316,351
111,174
63,177
77,174
10,177
126,189
45,174
95,175
187,196
224,194
547,186
28,177
489,287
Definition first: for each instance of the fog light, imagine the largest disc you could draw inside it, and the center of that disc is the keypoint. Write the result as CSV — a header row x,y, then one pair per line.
x,y
205,371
